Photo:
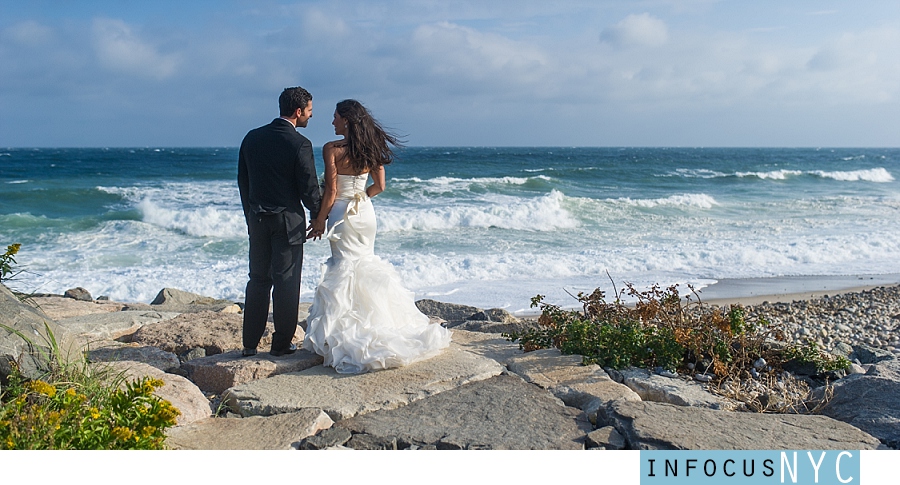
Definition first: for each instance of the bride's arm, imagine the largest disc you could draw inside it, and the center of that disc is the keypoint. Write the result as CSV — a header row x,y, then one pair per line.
x,y
328,153
378,183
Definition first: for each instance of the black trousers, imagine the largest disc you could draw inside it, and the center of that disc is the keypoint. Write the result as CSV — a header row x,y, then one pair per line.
x,y
274,267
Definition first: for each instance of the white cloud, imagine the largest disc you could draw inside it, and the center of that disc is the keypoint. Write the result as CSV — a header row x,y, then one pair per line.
x,y
453,54
118,48
29,33
534,74
862,67
641,30
318,25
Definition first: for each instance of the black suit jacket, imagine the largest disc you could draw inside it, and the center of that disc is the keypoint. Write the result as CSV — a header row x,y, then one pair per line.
x,y
276,172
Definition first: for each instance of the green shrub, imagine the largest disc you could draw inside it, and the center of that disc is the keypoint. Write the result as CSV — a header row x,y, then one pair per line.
x,y
661,329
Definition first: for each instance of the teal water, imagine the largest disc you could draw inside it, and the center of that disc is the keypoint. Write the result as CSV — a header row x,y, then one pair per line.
x,y
482,226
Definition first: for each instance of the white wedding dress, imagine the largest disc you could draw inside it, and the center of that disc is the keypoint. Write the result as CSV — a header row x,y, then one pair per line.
x,y
362,318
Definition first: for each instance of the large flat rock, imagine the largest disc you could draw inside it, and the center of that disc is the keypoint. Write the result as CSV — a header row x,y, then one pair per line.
x,y
870,402
659,426
61,307
563,375
344,396
278,432
219,372
500,413
491,345
112,325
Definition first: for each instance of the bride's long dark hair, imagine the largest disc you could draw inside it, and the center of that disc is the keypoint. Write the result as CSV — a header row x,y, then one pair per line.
x,y
368,143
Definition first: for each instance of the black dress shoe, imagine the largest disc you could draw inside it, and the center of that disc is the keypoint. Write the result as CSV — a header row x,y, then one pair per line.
x,y
279,353
248,352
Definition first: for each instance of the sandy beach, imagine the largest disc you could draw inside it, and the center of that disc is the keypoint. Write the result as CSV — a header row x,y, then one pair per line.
x,y
785,289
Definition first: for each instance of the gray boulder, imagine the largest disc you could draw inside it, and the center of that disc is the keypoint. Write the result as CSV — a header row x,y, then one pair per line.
x,y
79,294
24,338
870,355
450,312
869,402
500,413
659,426
174,300
497,315
174,296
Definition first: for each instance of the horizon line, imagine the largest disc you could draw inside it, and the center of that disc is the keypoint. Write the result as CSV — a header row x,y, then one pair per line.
x,y
157,147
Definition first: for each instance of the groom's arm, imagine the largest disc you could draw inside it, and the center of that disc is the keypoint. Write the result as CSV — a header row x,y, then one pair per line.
x,y
243,180
307,180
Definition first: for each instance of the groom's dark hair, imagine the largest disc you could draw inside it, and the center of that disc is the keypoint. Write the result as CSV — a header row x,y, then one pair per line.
x,y
292,99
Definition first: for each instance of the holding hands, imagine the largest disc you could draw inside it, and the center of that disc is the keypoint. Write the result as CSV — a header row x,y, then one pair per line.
x,y
316,229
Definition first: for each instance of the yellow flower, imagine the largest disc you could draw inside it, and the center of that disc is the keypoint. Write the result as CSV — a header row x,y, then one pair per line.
x,y
70,392
147,431
42,388
122,433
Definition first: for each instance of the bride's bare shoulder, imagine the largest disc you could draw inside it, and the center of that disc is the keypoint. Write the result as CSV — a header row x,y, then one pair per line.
x,y
335,144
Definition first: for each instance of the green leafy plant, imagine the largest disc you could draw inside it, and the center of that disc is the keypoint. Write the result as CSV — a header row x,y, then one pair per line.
x,y
76,406
7,259
810,353
662,329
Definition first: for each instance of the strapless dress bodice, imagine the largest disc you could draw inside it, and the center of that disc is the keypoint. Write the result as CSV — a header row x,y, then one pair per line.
x,y
349,186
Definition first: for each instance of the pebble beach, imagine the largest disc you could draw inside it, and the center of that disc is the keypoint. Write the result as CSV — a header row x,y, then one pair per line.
x,y
826,310
869,317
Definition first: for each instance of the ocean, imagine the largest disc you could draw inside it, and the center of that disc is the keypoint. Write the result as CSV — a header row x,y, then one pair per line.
x,y
489,227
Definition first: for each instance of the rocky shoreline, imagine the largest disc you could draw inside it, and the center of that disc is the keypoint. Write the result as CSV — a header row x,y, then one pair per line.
x,y
481,393
869,317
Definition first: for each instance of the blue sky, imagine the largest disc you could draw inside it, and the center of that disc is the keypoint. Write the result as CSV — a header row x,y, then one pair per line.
x,y
455,73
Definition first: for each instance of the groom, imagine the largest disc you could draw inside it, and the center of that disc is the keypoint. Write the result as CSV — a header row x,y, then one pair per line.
x,y
276,171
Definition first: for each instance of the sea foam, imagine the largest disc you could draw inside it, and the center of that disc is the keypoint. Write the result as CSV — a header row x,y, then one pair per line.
x,y
544,213
200,222
702,201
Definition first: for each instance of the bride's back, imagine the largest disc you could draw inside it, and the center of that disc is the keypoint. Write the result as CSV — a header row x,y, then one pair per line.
x,y
342,163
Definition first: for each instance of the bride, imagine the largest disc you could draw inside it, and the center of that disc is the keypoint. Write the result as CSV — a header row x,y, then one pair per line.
x,y
362,318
